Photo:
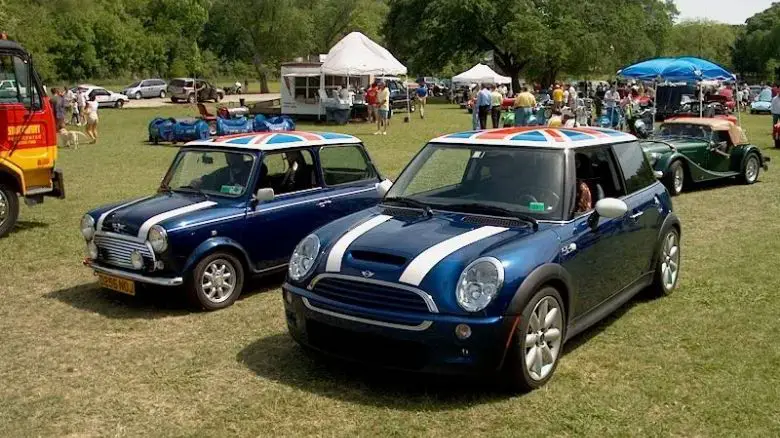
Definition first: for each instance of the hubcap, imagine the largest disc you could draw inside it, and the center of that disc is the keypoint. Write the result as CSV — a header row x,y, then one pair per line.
x,y
670,261
3,208
218,281
543,338
678,179
751,169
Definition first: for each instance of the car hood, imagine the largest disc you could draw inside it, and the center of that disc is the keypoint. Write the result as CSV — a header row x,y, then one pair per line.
x,y
431,252
661,144
761,104
170,210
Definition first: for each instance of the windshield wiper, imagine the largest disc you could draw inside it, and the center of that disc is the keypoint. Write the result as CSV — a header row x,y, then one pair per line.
x,y
489,209
195,190
411,203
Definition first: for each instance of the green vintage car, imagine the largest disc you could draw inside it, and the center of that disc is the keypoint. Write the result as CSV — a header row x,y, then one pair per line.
x,y
689,150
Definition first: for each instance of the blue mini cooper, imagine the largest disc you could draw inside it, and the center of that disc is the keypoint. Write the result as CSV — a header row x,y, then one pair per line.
x,y
490,251
227,208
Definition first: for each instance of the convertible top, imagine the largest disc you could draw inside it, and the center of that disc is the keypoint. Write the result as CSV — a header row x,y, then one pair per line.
x,y
716,124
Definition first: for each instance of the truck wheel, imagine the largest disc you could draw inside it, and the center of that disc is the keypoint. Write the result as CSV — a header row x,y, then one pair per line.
x,y
675,178
9,209
216,281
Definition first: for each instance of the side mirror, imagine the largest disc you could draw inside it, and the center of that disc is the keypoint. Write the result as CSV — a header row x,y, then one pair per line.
x,y
611,207
383,187
263,195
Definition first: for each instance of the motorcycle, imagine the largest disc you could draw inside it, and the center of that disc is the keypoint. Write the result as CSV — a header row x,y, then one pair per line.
x,y
234,89
640,123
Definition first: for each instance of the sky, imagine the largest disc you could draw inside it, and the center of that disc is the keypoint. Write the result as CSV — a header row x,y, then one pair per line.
x,y
725,11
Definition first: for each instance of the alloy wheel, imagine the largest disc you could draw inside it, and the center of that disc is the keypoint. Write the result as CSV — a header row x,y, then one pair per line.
x,y
751,169
543,338
670,261
679,178
218,281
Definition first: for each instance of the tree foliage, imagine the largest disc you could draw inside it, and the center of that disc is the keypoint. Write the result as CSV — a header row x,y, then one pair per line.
x,y
704,39
757,48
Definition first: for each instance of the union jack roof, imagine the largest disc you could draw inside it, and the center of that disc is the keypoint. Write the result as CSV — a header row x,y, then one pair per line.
x,y
269,141
538,136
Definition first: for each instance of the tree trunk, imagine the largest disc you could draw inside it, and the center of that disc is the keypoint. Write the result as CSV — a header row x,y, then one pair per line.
x,y
261,73
264,83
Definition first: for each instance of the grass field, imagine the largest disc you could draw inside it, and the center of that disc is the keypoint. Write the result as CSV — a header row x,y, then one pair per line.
x,y
79,361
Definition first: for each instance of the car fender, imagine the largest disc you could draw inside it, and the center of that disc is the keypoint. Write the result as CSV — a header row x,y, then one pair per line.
x,y
544,274
665,160
739,155
210,245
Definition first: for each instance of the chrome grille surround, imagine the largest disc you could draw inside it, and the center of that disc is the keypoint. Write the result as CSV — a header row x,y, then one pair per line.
x,y
115,249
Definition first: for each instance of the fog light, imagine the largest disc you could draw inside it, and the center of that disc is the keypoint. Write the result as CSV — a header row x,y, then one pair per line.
x,y
92,250
463,331
137,259
288,297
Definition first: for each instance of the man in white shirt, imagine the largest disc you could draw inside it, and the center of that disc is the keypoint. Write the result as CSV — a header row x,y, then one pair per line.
x,y
571,99
611,97
775,109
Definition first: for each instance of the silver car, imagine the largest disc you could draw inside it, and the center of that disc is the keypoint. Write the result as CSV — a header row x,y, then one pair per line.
x,y
146,88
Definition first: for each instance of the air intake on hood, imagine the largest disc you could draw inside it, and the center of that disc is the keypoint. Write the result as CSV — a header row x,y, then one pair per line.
x,y
494,221
378,257
402,212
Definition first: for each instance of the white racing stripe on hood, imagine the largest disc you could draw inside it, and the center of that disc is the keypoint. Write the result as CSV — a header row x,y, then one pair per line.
x,y
144,230
337,252
99,225
423,263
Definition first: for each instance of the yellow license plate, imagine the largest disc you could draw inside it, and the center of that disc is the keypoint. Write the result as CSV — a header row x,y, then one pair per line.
x,y
117,284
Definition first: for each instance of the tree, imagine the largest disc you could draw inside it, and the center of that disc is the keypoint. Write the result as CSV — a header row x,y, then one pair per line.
x,y
757,49
704,39
333,19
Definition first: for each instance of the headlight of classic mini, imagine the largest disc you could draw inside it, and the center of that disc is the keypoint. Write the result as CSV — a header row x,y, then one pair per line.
x,y
479,284
654,156
303,257
158,238
87,227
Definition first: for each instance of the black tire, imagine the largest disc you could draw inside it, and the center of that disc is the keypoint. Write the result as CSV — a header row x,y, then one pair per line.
x,y
213,127
670,179
751,168
162,94
9,209
138,95
174,99
219,97
515,371
195,284
661,287
191,99
119,103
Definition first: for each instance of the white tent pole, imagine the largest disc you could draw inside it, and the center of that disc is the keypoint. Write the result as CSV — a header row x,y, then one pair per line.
x,y
408,102
655,104
735,95
701,99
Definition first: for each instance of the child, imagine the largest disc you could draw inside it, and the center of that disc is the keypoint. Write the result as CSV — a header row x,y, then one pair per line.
x,y
75,118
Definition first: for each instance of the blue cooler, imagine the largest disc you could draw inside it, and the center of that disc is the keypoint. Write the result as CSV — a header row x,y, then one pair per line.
x,y
239,125
161,129
189,130
278,123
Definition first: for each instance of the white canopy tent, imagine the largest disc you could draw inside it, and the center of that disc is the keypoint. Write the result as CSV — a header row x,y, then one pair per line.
x,y
481,73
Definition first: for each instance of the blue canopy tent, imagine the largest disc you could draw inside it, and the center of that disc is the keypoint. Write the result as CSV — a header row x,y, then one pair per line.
x,y
678,69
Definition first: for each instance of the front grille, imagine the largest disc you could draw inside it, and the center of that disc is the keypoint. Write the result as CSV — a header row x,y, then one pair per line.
x,y
378,257
370,295
116,251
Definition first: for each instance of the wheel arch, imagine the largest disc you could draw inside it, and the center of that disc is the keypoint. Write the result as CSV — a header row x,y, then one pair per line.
x,y
11,178
548,274
671,221
213,245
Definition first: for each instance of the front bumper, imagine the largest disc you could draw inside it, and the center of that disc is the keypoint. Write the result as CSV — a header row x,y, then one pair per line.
x,y
412,342
100,268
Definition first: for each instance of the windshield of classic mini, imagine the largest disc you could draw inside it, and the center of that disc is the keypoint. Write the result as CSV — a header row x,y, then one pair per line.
x,y
211,172
526,180
691,130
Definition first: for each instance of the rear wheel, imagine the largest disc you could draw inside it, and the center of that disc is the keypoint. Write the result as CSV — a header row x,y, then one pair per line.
x,y
138,95
219,97
537,342
191,98
216,281
751,169
9,209
162,94
675,178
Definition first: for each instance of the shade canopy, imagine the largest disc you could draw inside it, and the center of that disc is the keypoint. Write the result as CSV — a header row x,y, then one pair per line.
x,y
481,73
357,55
676,69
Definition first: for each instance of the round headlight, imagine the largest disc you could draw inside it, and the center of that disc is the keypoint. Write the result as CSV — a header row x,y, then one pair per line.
x,y
654,156
479,284
303,257
92,250
87,227
137,259
158,238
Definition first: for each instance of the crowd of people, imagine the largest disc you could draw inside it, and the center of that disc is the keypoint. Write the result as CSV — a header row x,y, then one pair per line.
x,y
76,108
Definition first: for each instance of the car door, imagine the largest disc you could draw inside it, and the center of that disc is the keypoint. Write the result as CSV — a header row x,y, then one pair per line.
x,y
145,88
718,156
351,178
274,227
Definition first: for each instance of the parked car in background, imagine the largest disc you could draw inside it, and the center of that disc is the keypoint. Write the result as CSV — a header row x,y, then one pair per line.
x,y
146,88
104,97
229,208
689,150
194,90
762,104
10,89
399,95
485,256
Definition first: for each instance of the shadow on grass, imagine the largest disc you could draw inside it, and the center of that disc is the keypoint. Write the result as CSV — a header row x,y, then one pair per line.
x,y
26,225
149,302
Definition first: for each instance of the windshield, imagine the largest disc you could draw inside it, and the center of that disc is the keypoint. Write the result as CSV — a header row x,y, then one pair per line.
x,y
221,173
181,83
15,75
766,95
685,130
527,181
134,84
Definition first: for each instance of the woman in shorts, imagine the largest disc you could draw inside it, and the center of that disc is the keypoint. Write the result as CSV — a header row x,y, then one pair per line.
x,y
92,118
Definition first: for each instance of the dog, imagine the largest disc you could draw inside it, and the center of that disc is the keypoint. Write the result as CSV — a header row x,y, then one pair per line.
x,y
70,139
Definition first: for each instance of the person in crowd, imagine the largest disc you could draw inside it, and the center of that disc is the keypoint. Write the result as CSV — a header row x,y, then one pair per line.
x,y
556,120
70,98
775,109
92,118
422,97
75,117
598,99
383,108
483,105
524,106
371,95
81,103
571,101
503,90
496,98
611,99
60,107
557,96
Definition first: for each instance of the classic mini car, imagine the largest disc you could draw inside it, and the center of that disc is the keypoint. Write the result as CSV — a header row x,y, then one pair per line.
x,y
228,208
490,251
690,149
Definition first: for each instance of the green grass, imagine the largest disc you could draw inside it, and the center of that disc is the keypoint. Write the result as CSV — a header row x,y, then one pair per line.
x,y
79,361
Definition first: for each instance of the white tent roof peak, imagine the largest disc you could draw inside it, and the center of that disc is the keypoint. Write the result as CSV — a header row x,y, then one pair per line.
x,y
356,54
481,73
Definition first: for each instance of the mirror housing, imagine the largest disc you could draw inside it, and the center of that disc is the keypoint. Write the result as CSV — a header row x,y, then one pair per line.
x,y
383,187
262,195
611,207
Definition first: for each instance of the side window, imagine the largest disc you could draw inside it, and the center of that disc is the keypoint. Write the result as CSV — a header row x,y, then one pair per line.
x,y
344,164
288,172
14,78
597,177
636,170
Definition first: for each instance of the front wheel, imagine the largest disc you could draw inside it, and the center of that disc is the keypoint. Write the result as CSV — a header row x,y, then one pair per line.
x,y
537,342
9,209
138,95
119,103
751,169
675,178
216,281
667,270
162,94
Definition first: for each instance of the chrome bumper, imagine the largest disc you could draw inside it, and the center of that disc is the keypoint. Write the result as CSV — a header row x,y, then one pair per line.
x,y
159,281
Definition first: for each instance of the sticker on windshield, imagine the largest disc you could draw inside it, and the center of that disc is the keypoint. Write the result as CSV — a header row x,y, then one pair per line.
x,y
536,206
231,190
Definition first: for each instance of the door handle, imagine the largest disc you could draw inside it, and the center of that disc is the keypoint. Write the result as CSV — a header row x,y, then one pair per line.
x,y
324,203
637,214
